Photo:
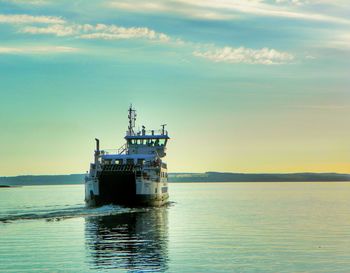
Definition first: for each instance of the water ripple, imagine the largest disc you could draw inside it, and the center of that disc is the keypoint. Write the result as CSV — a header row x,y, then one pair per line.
x,y
63,213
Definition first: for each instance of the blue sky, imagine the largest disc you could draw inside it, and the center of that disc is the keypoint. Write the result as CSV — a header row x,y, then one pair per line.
x,y
247,86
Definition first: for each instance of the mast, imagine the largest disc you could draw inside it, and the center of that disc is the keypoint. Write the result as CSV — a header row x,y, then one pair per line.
x,y
132,119
163,128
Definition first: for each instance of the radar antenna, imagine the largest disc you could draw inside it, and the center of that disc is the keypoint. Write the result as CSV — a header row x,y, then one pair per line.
x,y
132,119
163,128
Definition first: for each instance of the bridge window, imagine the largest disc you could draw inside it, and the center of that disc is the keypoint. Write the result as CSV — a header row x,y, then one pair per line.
x,y
107,161
137,141
130,161
140,161
150,142
155,142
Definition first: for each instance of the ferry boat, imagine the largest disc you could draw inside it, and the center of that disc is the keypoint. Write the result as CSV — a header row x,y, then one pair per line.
x,y
133,175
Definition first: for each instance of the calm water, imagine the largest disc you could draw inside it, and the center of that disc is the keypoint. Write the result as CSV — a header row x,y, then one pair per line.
x,y
208,227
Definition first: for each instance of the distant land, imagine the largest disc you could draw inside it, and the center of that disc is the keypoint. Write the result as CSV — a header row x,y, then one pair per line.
x,y
24,180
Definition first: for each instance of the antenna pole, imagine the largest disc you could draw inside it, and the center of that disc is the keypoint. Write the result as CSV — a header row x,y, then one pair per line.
x,y
163,129
132,119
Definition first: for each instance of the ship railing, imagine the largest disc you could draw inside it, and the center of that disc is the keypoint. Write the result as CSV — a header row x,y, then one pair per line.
x,y
147,132
121,150
156,153
109,152
155,162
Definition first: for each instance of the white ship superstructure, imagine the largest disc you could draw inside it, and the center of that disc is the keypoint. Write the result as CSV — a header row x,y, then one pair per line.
x,y
134,174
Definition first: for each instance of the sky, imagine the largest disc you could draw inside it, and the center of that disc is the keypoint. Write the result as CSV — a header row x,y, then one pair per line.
x,y
243,86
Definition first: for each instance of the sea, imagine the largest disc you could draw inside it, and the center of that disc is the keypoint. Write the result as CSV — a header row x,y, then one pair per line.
x,y
206,227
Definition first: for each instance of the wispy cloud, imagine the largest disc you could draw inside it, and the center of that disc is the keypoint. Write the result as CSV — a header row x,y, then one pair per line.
x,y
37,50
58,30
225,9
24,19
292,2
338,40
27,24
227,54
333,39
27,2
59,27
172,7
99,31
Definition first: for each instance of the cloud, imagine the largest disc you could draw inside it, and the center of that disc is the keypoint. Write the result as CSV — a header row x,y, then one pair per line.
x,y
329,39
27,2
338,40
59,27
58,30
228,54
113,32
99,31
292,2
224,9
172,7
256,7
37,50
28,19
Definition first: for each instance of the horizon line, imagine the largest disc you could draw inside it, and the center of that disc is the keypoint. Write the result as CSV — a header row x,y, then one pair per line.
x,y
245,173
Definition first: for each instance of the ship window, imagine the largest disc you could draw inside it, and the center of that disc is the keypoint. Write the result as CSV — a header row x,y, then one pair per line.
x,y
139,141
130,161
155,142
135,141
150,142
140,161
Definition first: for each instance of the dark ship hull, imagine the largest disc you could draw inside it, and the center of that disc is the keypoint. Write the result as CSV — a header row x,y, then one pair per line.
x,y
119,187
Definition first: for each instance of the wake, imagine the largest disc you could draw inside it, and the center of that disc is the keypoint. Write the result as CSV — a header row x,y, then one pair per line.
x,y
65,213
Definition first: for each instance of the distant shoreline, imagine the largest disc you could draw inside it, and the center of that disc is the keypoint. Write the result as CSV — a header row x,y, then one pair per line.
x,y
207,177
184,182
324,181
